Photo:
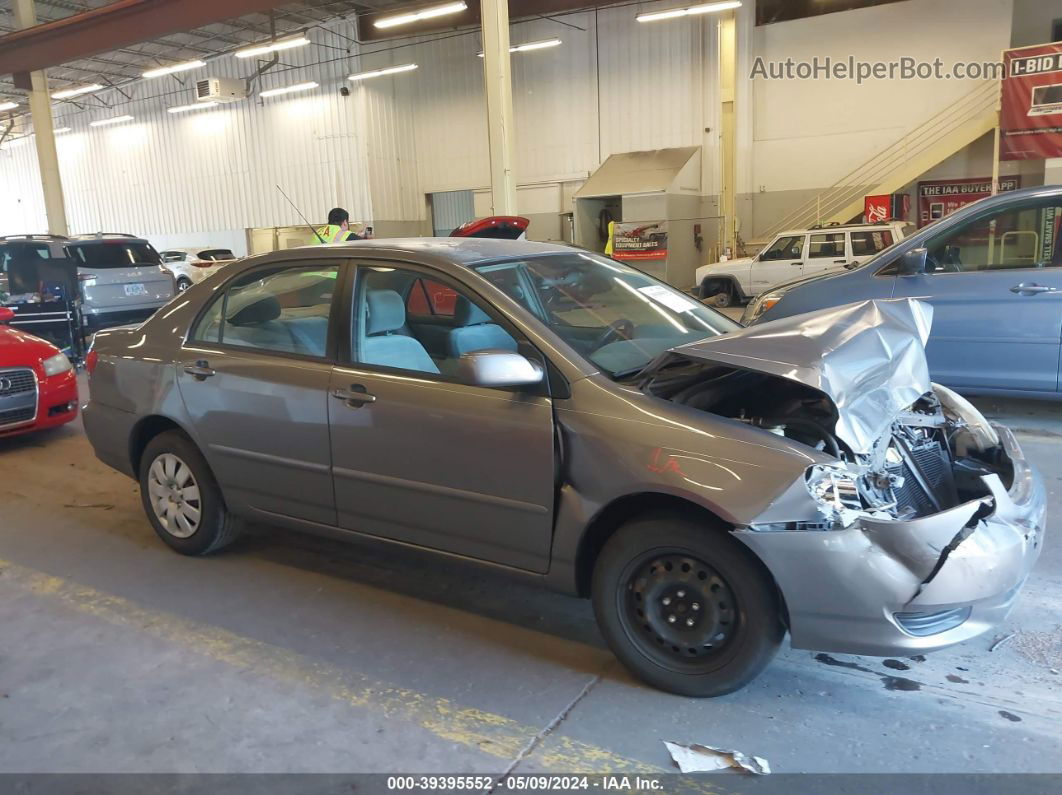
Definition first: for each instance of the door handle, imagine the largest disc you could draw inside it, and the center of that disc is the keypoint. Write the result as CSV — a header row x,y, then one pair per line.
x,y
1032,289
796,264
840,262
201,370
356,396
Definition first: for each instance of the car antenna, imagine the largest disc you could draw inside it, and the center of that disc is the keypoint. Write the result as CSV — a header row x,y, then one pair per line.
x,y
303,217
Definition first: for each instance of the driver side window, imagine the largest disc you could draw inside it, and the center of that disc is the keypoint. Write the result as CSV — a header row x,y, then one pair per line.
x,y
405,320
1016,237
787,247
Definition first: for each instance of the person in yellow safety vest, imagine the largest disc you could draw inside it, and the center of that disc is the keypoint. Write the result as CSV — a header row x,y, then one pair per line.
x,y
338,228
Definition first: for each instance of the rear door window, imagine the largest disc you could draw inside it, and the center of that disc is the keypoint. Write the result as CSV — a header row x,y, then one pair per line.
x,y
113,254
829,245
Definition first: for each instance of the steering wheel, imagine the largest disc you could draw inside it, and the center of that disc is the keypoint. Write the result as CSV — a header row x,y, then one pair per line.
x,y
620,329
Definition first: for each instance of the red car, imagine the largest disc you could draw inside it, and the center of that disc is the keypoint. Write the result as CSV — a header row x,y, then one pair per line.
x,y
38,385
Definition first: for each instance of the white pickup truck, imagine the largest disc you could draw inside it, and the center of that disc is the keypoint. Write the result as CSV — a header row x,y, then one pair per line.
x,y
799,252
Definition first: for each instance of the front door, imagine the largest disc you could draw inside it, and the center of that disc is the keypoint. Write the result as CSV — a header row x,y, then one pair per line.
x,y
781,261
422,458
995,284
254,378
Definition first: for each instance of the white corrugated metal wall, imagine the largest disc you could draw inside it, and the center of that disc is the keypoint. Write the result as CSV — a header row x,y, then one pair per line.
x,y
613,85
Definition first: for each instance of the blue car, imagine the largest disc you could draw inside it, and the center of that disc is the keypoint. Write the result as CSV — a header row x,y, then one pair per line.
x,y
993,274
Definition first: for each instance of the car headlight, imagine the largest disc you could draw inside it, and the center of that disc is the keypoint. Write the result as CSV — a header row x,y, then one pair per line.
x,y
836,492
56,365
762,304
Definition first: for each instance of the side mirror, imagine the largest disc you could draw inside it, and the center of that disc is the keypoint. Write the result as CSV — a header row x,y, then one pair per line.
x,y
6,315
493,367
912,262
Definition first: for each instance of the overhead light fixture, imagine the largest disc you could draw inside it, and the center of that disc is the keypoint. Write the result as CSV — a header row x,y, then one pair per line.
x,y
532,45
672,13
66,93
169,70
61,129
418,16
390,70
8,105
272,46
289,89
193,106
115,120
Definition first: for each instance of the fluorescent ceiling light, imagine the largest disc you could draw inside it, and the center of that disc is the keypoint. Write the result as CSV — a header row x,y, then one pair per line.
x,y
193,106
704,8
417,16
298,87
66,93
177,67
390,70
115,120
8,105
532,45
60,130
272,46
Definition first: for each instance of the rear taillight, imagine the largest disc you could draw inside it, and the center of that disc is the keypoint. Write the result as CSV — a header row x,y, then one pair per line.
x,y
91,358
86,277
202,263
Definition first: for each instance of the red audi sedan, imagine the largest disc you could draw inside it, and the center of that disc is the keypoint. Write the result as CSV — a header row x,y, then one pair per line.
x,y
38,385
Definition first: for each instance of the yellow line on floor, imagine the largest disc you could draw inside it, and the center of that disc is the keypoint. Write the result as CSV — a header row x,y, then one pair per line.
x,y
473,728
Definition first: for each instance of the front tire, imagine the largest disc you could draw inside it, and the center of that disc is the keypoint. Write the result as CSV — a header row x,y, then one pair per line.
x,y
181,498
685,607
723,300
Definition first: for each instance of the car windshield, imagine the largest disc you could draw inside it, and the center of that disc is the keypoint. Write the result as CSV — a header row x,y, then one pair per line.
x,y
114,254
617,317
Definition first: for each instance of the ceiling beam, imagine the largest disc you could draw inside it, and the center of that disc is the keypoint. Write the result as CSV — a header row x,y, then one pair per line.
x,y
113,26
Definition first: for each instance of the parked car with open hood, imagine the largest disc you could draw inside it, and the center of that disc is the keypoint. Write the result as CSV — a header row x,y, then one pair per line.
x,y
797,252
571,420
993,274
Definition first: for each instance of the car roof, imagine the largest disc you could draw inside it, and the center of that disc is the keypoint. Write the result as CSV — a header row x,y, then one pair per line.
x,y
842,228
463,250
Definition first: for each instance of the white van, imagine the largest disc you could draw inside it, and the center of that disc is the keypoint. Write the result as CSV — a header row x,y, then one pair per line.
x,y
799,252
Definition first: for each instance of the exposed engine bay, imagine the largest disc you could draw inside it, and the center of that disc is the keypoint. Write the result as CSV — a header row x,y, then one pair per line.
x,y
931,457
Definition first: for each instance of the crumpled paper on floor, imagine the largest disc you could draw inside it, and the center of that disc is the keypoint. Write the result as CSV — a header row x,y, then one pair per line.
x,y
695,758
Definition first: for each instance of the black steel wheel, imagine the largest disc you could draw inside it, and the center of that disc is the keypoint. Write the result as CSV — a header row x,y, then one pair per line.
x,y
685,607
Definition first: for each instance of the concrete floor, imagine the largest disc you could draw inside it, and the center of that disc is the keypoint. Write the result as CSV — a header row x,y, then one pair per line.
x,y
287,653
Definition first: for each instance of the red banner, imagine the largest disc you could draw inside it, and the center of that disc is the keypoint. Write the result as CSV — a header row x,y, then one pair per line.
x,y
640,241
1030,120
938,198
886,207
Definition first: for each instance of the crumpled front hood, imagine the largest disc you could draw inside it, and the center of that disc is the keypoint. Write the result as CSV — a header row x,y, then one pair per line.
x,y
868,358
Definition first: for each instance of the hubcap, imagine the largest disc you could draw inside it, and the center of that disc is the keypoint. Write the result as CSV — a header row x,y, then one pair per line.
x,y
174,495
679,608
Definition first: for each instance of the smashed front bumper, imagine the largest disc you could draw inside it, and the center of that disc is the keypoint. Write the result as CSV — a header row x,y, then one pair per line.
x,y
891,587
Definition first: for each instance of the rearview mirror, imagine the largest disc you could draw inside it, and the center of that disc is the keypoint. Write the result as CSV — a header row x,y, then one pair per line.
x,y
912,262
498,368
6,315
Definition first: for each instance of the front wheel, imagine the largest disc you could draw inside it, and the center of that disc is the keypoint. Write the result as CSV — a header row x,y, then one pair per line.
x,y
685,607
181,498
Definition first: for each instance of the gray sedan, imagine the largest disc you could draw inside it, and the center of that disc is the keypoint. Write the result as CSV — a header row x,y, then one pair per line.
x,y
563,417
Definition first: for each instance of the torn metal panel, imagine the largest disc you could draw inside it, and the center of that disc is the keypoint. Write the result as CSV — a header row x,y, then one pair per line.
x,y
696,758
867,357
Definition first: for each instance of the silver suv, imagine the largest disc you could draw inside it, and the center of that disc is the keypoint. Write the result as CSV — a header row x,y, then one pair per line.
x,y
121,276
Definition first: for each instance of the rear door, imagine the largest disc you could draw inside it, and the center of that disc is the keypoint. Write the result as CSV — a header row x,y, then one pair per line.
x,y
118,274
826,252
782,260
254,377
995,284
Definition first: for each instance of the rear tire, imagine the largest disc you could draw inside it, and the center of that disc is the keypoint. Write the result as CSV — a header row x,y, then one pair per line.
x,y
181,498
183,284
685,607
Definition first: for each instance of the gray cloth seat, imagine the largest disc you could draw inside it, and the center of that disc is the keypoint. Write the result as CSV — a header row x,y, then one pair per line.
x,y
386,314
255,324
475,331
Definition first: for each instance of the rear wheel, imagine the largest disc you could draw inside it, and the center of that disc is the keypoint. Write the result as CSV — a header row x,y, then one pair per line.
x,y
684,607
183,284
181,497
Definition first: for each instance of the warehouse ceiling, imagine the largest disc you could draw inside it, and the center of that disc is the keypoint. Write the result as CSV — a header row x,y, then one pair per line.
x,y
128,63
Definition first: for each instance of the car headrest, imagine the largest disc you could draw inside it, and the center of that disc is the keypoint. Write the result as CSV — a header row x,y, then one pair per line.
x,y
258,311
468,314
387,311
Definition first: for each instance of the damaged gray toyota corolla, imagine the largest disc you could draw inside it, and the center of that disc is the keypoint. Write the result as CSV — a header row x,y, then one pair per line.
x,y
566,418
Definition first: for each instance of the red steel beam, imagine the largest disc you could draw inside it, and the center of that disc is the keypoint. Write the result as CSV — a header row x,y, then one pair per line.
x,y
112,26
